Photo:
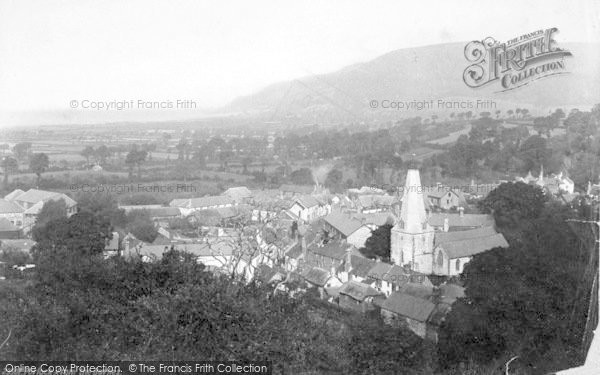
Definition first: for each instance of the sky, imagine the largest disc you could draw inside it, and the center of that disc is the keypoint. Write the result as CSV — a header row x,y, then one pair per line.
x,y
53,52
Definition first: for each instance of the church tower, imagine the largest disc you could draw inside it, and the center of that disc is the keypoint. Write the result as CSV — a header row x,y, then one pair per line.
x,y
412,236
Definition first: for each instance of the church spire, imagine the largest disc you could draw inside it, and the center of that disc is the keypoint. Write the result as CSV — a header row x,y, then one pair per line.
x,y
413,218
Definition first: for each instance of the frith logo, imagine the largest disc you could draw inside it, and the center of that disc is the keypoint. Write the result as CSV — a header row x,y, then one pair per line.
x,y
515,63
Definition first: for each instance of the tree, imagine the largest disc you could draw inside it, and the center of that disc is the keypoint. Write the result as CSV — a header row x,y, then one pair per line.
x,y
52,210
512,202
140,224
22,150
302,176
334,180
523,301
378,245
87,153
102,153
38,164
9,166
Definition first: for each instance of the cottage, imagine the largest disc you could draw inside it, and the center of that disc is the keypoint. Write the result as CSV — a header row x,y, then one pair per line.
x,y
308,208
446,198
401,308
358,297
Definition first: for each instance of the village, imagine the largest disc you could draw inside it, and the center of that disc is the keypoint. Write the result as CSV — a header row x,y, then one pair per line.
x,y
301,238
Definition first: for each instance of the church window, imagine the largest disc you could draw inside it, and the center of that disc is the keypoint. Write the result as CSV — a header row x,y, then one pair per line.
x,y
458,264
440,259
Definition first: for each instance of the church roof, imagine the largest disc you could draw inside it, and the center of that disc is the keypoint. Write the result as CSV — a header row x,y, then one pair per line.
x,y
413,217
466,220
445,237
471,246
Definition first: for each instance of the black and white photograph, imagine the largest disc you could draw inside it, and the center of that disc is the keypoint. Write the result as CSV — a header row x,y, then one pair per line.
x,y
299,187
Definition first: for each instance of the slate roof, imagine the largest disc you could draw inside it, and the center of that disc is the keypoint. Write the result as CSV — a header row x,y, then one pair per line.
x,y
238,193
35,195
295,251
344,223
8,207
397,275
379,271
472,246
307,201
210,201
334,250
12,195
440,192
358,291
444,237
408,306
455,220
360,265
376,218
316,276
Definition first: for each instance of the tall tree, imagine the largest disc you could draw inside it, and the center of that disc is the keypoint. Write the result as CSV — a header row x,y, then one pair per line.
x,y
9,166
38,164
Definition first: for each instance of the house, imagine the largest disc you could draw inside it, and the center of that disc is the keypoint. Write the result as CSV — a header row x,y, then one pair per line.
x,y
321,279
8,230
358,297
357,268
343,226
404,309
187,206
446,198
329,256
308,208
239,194
12,212
33,200
19,244
388,278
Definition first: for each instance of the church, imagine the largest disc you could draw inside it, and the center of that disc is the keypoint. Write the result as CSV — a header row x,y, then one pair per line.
x,y
416,242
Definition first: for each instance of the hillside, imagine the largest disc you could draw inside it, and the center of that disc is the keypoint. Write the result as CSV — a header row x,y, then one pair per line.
x,y
424,73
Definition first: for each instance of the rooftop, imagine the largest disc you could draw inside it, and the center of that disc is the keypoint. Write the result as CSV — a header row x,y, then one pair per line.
x,y
358,291
408,306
